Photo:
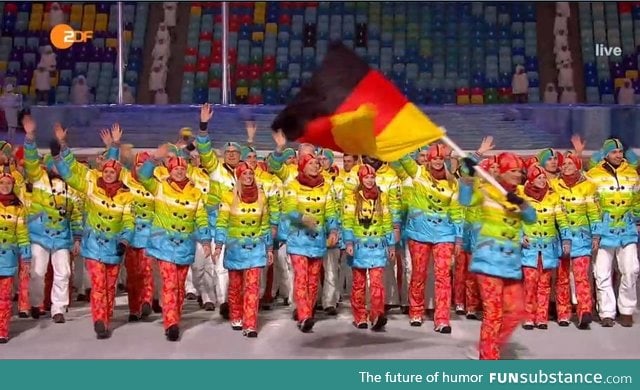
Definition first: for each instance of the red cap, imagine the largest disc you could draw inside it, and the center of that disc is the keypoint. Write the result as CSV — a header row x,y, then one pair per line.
x,y
142,157
241,168
488,162
304,160
534,171
508,161
574,158
175,162
437,150
113,164
366,170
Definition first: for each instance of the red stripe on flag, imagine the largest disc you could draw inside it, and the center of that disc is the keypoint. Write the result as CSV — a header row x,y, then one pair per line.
x,y
376,90
318,132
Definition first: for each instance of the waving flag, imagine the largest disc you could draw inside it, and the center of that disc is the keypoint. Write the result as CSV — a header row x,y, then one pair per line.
x,y
349,107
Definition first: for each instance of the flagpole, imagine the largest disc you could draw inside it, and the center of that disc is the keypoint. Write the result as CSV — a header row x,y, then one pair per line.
x,y
484,174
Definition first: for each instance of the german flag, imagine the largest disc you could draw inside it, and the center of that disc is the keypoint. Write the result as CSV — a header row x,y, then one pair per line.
x,y
351,108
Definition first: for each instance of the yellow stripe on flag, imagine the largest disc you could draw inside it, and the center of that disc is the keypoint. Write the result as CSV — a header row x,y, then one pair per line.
x,y
409,130
353,131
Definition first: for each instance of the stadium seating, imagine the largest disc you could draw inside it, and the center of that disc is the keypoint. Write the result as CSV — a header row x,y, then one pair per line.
x,y
25,28
436,53
614,25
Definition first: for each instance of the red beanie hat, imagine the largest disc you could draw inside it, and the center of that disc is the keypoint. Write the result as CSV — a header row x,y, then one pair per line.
x,y
366,170
531,161
534,171
241,168
175,162
142,157
487,163
304,160
113,164
508,161
574,158
437,150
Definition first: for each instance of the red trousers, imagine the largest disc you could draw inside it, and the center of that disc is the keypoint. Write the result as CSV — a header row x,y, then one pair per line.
x,y
6,289
104,278
359,294
502,304
537,290
23,286
244,297
580,266
306,280
139,279
420,256
268,297
174,277
465,284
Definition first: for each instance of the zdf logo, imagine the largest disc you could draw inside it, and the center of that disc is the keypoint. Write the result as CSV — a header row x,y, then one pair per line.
x,y
64,36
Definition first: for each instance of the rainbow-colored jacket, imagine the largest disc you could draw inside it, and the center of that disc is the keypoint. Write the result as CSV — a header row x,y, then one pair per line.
x,y
55,210
434,214
245,230
14,238
108,221
617,193
583,215
497,251
318,203
179,221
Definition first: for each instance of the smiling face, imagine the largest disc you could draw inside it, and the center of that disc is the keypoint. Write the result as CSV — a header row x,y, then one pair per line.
x,y
109,175
6,186
178,173
615,157
312,168
437,163
369,181
540,181
247,178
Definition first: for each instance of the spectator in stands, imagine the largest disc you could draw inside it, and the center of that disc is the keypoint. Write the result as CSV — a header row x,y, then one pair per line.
x,y
80,91
568,96
56,15
11,104
520,85
626,93
157,78
170,11
560,23
561,39
163,32
563,9
550,94
161,97
565,76
563,56
127,97
161,50
43,85
47,58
